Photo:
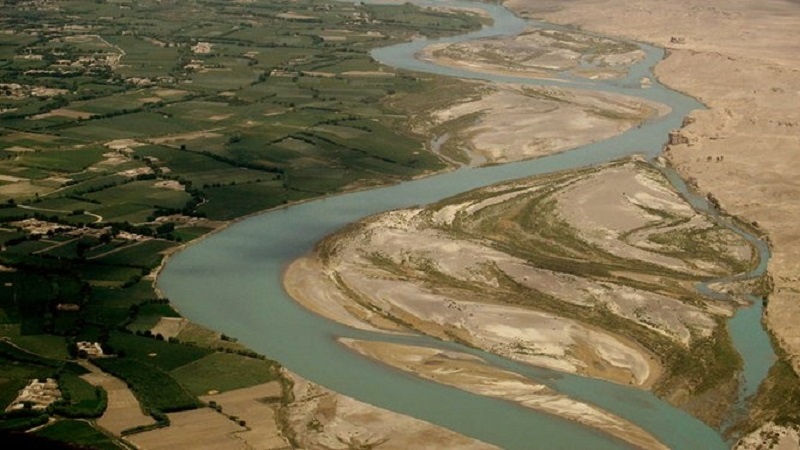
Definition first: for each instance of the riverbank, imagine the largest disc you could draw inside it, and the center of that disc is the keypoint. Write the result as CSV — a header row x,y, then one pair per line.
x,y
740,60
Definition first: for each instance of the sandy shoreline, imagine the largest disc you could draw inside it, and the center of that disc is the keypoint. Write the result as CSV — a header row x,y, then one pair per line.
x,y
472,374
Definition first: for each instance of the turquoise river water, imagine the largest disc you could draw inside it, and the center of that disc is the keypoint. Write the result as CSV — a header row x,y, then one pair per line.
x,y
231,282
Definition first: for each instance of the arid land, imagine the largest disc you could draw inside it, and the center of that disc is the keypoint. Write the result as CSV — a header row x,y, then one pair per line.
x,y
740,59
500,123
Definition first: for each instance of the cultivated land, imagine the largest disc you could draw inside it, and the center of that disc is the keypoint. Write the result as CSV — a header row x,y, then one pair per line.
x,y
740,59
129,128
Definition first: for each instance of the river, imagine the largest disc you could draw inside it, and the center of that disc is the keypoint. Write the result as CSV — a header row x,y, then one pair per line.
x,y
231,282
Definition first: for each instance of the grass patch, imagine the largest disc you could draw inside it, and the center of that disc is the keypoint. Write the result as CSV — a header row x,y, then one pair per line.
x,y
45,345
78,432
63,161
147,254
166,356
154,388
224,372
80,399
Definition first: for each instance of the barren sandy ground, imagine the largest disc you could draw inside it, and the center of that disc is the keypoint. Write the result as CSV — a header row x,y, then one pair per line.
x,y
511,123
770,437
322,419
741,59
539,53
474,375
123,409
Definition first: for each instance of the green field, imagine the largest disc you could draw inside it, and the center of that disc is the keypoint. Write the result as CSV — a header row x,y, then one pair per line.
x,y
154,388
80,433
224,372
158,353
80,399
46,345
129,127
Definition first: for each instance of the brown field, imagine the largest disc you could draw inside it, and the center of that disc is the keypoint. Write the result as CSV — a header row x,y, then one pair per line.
x,y
123,410
200,428
253,406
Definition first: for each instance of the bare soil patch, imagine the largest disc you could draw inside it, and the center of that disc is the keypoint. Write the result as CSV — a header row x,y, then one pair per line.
x,y
199,428
123,409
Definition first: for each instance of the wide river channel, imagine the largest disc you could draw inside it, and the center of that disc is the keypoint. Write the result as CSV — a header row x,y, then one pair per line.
x,y
231,282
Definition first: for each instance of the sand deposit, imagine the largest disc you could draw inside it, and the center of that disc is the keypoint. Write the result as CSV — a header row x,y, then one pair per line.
x,y
474,375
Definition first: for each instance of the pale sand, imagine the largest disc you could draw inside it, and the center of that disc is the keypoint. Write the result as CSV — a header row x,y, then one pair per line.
x,y
474,375
345,283
740,59
507,123
322,419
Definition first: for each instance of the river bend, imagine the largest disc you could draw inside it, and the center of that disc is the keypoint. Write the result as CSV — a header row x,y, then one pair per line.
x,y
231,282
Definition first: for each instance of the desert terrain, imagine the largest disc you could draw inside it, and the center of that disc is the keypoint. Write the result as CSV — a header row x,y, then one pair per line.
x,y
321,419
740,59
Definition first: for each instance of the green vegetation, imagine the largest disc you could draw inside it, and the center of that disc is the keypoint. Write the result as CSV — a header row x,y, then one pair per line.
x,y
229,108
80,399
78,432
156,352
224,372
46,345
154,388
